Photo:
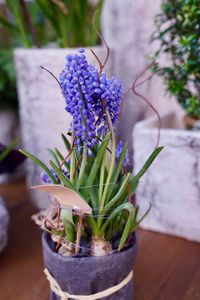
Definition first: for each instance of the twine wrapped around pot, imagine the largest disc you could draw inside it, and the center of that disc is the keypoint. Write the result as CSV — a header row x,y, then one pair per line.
x,y
65,296
90,275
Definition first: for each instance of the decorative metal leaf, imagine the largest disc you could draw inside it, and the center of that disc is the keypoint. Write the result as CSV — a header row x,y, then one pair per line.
x,y
66,197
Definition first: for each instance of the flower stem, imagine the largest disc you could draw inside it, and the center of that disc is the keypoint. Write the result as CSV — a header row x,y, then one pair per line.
x,y
72,161
101,183
78,234
83,165
112,164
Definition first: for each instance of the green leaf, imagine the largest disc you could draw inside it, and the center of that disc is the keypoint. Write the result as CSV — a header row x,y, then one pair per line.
x,y
136,224
67,219
135,179
41,164
97,163
7,25
17,12
93,225
63,178
61,157
148,162
94,197
117,171
125,206
54,157
127,230
121,191
9,148
66,142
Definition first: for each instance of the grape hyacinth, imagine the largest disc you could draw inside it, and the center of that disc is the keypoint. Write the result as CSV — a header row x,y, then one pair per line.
x,y
88,95
118,152
45,178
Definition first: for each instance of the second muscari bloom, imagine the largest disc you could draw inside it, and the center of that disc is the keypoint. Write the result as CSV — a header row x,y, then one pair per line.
x,y
87,96
46,179
119,149
77,86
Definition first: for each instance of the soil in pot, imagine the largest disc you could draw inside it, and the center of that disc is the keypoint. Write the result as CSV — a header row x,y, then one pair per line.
x,y
90,275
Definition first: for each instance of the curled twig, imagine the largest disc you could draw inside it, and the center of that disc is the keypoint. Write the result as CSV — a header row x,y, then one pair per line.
x,y
68,155
51,75
101,65
77,165
134,87
98,60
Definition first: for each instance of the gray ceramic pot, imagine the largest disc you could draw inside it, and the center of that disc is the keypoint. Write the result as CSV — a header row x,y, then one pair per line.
x,y
90,275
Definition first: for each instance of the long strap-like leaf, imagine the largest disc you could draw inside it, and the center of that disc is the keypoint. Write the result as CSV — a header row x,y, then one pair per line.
x,y
123,188
135,179
39,163
96,164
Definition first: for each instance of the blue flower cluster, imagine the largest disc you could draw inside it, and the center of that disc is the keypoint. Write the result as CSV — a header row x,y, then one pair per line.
x,y
45,178
88,95
119,149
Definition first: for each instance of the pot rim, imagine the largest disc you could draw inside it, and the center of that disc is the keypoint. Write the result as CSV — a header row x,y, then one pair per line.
x,y
19,50
45,242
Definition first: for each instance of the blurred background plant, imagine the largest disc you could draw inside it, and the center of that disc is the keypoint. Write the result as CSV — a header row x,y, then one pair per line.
x,y
66,23
41,23
8,91
10,159
178,32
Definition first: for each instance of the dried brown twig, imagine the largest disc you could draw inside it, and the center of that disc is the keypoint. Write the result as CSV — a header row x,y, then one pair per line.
x,y
101,65
51,75
134,87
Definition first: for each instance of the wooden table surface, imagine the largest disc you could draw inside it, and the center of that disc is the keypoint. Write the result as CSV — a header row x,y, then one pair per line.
x,y
167,268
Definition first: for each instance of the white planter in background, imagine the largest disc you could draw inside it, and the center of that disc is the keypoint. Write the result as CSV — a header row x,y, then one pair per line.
x,y
42,106
172,184
9,126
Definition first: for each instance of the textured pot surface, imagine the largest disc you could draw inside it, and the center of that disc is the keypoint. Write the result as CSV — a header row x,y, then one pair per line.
x,y
42,107
172,184
89,275
4,221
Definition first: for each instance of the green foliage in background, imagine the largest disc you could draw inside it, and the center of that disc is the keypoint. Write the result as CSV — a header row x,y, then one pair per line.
x,y
8,92
8,149
72,21
66,23
63,23
178,31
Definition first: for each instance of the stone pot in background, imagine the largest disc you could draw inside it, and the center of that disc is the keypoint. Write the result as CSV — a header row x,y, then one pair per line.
x,y
90,275
172,184
42,107
4,222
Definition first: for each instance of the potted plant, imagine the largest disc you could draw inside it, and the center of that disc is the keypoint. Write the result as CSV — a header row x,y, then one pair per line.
x,y
89,228
46,31
175,205
178,35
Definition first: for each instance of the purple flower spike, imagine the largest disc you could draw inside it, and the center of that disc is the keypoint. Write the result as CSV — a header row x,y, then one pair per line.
x,y
85,91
